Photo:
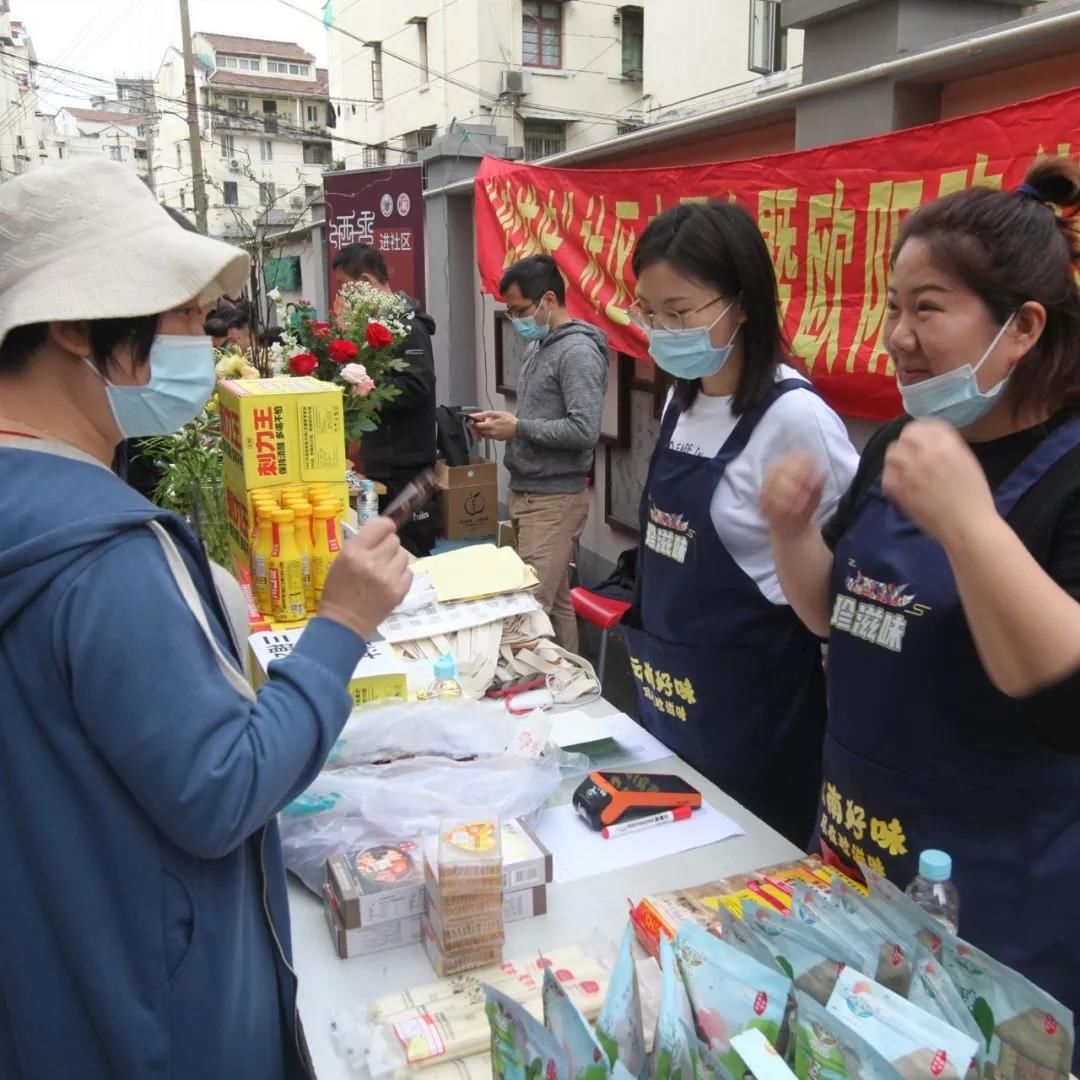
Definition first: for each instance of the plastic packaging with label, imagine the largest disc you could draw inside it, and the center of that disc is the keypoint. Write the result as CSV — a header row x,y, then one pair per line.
x,y
619,1026
563,1019
470,856
825,1049
520,1045
674,1025
934,992
729,991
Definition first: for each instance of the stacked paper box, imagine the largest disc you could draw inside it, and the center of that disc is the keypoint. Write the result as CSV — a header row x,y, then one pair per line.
x,y
375,897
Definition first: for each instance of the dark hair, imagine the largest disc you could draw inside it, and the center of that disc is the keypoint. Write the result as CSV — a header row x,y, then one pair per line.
x,y
106,335
1010,247
534,276
355,260
179,218
215,326
270,336
719,244
240,319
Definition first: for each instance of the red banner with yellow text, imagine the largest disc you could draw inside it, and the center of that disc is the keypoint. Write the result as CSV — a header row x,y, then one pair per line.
x,y
829,216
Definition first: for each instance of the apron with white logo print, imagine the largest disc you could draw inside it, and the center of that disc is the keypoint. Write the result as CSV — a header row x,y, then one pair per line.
x,y
731,682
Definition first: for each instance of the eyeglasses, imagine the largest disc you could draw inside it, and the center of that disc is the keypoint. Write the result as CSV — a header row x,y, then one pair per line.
x,y
666,320
522,312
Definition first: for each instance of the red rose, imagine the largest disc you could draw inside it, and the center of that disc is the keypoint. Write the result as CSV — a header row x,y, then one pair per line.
x,y
303,363
378,337
320,329
342,351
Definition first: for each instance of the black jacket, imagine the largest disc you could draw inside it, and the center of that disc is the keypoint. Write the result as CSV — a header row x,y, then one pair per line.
x,y
405,438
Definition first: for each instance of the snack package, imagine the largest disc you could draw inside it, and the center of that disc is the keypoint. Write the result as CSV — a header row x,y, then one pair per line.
x,y
837,922
671,1058
760,1056
896,946
826,1049
563,1019
521,1047
729,992
619,1026
1026,1032
735,932
704,1064
809,958
934,992
917,1045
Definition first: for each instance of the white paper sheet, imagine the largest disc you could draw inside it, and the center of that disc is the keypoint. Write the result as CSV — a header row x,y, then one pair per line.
x,y
581,852
435,619
577,728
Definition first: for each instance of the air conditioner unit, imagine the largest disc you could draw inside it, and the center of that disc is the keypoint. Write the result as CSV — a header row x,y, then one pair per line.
x,y
297,202
234,165
512,83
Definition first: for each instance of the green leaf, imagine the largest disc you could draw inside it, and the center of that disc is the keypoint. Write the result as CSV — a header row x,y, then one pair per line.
x,y
984,1018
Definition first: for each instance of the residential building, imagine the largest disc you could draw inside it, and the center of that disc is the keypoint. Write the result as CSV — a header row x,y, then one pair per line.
x,y
868,67
264,118
118,136
22,139
548,76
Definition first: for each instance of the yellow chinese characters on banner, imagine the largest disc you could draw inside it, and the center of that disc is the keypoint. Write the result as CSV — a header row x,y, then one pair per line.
x,y
667,693
830,218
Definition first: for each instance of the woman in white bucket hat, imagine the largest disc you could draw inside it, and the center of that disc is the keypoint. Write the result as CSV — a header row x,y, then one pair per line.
x,y
144,928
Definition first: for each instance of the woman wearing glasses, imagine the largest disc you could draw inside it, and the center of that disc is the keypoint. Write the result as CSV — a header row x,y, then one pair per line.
x,y
728,677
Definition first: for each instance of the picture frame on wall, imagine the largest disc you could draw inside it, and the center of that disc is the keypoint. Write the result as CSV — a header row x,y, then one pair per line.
x,y
509,355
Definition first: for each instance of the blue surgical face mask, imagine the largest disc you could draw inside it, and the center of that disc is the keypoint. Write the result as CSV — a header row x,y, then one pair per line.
x,y
690,354
181,382
530,329
955,396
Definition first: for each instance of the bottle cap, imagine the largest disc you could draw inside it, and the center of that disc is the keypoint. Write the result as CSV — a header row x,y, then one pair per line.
x,y
935,866
280,517
301,509
445,667
367,485
326,510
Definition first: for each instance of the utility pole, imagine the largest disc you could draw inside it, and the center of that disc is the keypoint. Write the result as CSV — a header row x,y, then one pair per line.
x,y
151,131
198,181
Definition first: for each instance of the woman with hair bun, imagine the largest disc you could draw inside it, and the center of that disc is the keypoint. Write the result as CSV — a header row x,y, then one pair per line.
x,y
948,579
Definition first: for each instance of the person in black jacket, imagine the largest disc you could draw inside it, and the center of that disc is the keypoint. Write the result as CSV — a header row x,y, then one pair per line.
x,y
403,445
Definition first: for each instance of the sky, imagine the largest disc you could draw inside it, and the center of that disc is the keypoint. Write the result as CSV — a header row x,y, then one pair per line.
x,y
106,38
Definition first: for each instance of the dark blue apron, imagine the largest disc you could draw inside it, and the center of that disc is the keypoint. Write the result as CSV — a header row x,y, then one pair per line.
x,y
732,683
923,752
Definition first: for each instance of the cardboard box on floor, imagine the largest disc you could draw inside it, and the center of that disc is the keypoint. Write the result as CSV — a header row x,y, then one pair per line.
x,y
469,495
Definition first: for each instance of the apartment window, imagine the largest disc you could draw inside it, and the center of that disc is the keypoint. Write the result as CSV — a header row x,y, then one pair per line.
x,y
231,193
281,67
415,141
313,114
238,105
240,63
140,155
376,71
183,198
767,40
60,153
266,149
267,194
270,120
374,156
179,156
541,34
228,147
316,154
633,42
543,138
114,153
311,193
20,142
422,48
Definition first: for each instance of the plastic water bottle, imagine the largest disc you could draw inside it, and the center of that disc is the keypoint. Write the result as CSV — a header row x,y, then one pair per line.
x,y
446,686
934,891
367,506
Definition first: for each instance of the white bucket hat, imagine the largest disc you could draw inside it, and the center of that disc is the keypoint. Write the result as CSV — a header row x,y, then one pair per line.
x,y
87,240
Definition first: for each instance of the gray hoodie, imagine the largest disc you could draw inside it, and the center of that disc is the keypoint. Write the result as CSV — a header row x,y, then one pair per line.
x,y
560,396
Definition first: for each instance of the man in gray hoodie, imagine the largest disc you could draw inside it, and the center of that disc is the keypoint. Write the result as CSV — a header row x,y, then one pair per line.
x,y
550,442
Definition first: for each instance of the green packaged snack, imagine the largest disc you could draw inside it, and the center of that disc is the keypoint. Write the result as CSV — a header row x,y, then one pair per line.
x,y
827,1050
1024,1030
705,1065
619,1026
671,1058
809,958
934,992
521,1047
563,1019
729,991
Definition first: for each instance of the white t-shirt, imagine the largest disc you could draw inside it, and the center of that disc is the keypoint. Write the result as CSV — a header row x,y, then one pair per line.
x,y
799,420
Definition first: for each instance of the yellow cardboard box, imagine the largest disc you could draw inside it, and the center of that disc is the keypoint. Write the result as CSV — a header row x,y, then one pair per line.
x,y
241,514
281,431
379,675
